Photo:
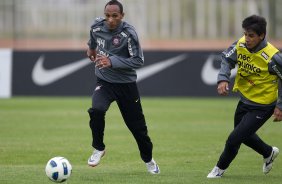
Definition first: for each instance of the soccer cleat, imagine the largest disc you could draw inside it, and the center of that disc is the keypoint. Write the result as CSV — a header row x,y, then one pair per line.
x,y
216,173
153,167
268,162
95,158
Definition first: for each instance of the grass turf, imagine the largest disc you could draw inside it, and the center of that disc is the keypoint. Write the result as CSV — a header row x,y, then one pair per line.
x,y
188,136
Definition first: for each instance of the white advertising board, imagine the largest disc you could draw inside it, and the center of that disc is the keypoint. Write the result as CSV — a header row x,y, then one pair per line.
x,y
5,73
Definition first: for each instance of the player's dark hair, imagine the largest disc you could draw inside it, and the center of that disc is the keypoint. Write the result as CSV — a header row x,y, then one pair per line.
x,y
115,2
255,23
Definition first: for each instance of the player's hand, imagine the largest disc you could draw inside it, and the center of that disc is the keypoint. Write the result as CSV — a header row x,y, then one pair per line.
x,y
102,61
223,88
91,54
277,114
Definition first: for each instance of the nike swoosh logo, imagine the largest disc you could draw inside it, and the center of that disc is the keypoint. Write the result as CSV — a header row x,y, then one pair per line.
x,y
209,72
43,77
157,169
153,69
258,117
271,159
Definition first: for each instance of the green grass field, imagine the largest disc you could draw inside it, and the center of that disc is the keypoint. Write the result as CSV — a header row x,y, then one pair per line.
x,y
188,136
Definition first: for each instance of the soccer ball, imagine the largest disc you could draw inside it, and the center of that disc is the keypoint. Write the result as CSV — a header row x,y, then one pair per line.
x,y
58,169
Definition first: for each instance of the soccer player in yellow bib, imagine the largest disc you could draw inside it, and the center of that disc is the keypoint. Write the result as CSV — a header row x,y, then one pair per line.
x,y
258,83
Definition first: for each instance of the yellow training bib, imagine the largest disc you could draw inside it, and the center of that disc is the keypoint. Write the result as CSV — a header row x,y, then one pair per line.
x,y
253,79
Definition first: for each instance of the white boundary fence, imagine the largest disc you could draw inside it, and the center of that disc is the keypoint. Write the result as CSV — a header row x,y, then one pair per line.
x,y
154,19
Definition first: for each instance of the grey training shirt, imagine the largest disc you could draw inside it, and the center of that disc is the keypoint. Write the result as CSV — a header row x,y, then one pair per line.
x,y
121,46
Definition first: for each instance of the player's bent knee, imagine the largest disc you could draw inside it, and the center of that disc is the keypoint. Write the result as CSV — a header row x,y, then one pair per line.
x,y
95,113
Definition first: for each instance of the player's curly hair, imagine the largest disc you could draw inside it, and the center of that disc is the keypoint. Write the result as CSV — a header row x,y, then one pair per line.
x,y
255,23
115,2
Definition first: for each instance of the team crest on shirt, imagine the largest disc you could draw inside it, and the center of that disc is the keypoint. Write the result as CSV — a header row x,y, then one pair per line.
x,y
116,41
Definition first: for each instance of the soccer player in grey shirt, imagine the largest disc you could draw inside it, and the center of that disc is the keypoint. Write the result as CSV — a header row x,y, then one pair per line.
x,y
114,48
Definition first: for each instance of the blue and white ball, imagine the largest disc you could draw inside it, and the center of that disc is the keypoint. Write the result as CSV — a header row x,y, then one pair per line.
x,y
58,169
